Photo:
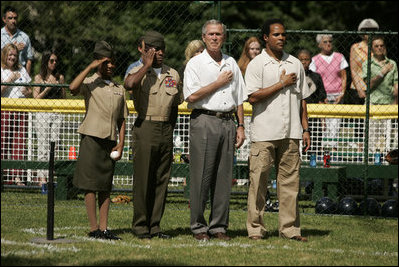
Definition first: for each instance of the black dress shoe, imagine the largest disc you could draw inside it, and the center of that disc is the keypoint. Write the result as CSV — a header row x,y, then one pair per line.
x,y
95,233
161,235
107,234
144,236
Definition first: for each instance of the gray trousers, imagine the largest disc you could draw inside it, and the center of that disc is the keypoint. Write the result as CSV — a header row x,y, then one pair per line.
x,y
211,169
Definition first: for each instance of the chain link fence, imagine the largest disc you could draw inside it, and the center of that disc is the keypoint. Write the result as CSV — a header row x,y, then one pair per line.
x,y
70,30
346,138
352,131
357,132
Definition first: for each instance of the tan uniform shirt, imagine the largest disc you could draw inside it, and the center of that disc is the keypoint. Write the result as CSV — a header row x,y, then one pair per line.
x,y
155,97
277,117
105,103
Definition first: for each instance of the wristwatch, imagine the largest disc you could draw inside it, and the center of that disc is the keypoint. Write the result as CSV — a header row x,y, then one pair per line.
x,y
241,125
306,130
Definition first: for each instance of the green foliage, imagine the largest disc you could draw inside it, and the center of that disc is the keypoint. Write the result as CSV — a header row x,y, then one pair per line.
x,y
72,27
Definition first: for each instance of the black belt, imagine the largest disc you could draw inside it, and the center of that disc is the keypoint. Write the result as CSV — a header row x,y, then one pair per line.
x,y
221,115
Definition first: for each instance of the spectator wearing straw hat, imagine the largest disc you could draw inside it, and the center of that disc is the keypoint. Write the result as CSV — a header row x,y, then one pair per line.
x,y
358,55
356,92
106,112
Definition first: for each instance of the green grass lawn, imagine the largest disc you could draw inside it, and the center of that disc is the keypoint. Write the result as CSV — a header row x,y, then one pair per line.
x,y
333,239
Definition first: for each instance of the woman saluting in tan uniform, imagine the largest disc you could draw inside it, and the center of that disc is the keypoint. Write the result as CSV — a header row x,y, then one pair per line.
x,y
106,111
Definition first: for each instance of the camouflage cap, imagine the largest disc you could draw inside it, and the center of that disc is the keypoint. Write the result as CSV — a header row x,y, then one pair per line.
x,y
154,38
103,49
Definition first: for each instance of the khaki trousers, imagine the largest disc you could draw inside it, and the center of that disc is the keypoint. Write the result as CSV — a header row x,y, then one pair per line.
x,y
284,155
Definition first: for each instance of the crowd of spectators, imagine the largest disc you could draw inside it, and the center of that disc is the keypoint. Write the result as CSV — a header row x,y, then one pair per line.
x,y
326,75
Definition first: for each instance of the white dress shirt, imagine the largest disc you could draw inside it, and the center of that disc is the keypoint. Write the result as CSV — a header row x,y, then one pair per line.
x,y
203,70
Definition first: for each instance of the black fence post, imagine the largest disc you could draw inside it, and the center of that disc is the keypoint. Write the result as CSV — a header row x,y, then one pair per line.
x,y
50,195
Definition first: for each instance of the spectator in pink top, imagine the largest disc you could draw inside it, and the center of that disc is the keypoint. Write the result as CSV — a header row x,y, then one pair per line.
x,y
331,67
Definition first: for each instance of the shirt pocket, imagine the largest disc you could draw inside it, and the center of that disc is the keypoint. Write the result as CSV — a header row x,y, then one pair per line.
x,y
259,161
149,87
118,99
171,91
255,152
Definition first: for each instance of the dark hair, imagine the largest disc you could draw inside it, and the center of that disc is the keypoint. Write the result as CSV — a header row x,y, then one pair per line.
x,y
304,51
9,9
377,37
268,23
44,65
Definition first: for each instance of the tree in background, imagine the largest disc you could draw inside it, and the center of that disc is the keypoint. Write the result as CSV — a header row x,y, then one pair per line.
x,y
72,27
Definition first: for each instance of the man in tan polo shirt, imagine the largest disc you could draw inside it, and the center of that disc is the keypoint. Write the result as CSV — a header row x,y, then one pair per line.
x,y
276,88
156,97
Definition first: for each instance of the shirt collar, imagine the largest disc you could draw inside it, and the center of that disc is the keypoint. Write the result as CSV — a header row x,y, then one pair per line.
x,y
98,79
164,70
386,60
5,32
286,58
209,59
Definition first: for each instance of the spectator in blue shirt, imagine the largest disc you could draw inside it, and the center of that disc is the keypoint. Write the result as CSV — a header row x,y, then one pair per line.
x,y
134,64
11,34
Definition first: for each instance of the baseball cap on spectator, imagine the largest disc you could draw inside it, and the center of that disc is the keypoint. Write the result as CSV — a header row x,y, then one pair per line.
x,y
103,49
368,24
154,39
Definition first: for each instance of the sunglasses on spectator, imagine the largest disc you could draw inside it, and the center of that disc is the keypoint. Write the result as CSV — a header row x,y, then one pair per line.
x,y
53,60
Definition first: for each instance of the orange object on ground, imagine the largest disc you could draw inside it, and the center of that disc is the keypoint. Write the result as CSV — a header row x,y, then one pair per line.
x,y
72,153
